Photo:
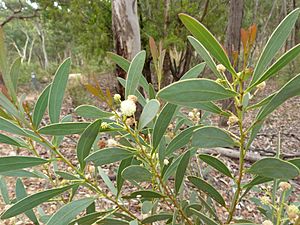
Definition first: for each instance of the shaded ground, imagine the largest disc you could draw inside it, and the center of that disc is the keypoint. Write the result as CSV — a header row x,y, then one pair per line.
x,y
285,120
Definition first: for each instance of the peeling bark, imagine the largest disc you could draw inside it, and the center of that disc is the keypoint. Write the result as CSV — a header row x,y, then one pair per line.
x,y
126,32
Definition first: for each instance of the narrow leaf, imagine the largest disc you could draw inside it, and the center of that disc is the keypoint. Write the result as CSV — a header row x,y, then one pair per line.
x,y
136,173
111,221
210,137
296,162
23,173
4,191
40,107
194,72
278,65
274,168
32,201
275,42
11,141
86,142
134,73
125,64
57,90
207,40
290,89
192,91
180,140
205,56
107,181
92,112
149,112
120,180
10,163
180,172
144,194
20,194
15,72
89,218
162,123
61,129
69,211
108,155
208,189
9,106
216,163
156,218
204,218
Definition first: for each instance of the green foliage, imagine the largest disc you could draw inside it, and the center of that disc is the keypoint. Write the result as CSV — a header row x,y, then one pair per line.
x,y
164,142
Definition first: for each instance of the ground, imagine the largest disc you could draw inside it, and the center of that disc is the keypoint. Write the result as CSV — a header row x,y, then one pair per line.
x,y
284,121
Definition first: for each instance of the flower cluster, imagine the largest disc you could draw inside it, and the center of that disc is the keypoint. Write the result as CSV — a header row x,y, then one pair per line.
x,y
128,107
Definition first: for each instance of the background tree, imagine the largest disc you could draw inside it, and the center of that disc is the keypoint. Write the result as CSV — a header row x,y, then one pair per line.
x,y
126,32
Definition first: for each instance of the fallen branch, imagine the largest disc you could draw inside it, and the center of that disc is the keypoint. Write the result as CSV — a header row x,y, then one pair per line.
x,y
250,156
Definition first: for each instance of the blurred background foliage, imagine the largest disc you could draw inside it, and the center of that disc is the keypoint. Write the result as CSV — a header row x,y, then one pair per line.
x,y
44,32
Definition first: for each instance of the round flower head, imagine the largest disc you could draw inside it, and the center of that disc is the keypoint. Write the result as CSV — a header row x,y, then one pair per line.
x,y
132,98
130,121
293,212
112,143
221,68
284,186
191,115
104,125
232,120
128,107
265,200
267,222
117,98
166,162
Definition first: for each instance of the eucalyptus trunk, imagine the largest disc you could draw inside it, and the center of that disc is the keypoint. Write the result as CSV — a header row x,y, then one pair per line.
x,y
126,32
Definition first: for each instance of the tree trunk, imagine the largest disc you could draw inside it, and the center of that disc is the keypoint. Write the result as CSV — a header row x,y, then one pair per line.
x,y
297,27
126,32
41,34
30,51
233,41
233,37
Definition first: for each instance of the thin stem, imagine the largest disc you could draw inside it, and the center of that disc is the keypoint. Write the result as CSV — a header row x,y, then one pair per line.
x,y
153,167
279,212
239,109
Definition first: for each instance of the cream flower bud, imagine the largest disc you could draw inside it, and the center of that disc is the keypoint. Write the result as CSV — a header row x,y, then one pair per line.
x,y
130,121
166,162
219,81
284,186
265,200
128,107
132,98
117,98
111,143
170,126
221,68
293,212
138,196
232,120
104,125
261,86
267,222
191,115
